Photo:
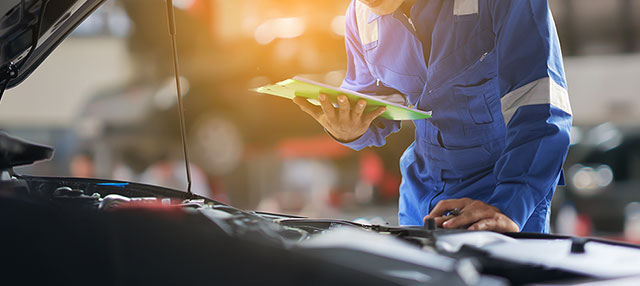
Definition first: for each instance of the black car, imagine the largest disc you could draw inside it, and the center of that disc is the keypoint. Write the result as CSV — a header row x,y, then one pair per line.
x,y
91,231
603,176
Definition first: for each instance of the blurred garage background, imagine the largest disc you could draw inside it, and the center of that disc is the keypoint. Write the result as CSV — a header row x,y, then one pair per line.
x,y
105,99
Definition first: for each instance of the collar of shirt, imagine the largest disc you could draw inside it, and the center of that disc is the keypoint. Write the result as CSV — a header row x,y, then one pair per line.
x,y
372,17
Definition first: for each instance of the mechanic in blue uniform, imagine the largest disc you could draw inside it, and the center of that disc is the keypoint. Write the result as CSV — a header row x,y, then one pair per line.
x,y
491,72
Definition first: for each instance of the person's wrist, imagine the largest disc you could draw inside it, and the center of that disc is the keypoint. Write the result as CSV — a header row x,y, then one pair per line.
x,y
343,139
346,139
511,225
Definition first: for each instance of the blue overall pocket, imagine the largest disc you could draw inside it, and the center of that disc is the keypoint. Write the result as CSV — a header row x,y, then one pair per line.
x,y
477,105
479,109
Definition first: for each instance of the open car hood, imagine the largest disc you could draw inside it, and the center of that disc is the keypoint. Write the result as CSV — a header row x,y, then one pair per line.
x,y
23,24
73,230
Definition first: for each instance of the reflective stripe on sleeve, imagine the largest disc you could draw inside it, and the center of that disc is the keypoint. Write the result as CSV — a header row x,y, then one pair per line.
x,y
542,91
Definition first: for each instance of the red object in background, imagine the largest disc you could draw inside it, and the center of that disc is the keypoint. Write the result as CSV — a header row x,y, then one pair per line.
x,y
390,188
373,172
319,147
335,198
155,206
218,190
583,225
371,168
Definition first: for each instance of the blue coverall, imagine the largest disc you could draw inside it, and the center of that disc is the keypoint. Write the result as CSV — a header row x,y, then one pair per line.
x,y
491,72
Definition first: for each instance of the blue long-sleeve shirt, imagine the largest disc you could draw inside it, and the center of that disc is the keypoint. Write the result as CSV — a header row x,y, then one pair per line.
x,y
491,72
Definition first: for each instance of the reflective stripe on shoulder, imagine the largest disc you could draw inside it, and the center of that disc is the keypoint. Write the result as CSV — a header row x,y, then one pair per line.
x,y
465,7
542,91
368,31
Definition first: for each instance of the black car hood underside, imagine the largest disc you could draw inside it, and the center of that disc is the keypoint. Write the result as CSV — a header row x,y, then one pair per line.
x,y
22,19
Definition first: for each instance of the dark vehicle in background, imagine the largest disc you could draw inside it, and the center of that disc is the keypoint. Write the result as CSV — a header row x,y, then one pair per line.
x,y
603,179
69,231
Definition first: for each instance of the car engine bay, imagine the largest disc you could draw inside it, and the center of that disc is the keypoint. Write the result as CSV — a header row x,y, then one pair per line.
x,y
129,229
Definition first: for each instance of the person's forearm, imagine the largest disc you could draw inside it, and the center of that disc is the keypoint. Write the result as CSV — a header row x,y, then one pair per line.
x,y
532,160
374,136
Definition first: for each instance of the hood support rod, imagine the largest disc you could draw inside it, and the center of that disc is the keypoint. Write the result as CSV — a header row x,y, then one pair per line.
x,y
174,47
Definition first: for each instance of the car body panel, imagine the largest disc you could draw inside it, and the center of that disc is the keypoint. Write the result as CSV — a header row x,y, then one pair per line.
x,y
17,29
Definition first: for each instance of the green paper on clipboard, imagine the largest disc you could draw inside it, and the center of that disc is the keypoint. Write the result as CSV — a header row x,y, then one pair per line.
x,y
309,89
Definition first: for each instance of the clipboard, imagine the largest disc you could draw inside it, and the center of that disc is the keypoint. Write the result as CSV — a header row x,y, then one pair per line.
x,y
309,89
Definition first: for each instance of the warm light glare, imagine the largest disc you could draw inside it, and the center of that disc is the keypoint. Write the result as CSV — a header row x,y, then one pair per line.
x,y
288,28
284,28
183,4
338,25
334,77
264,34
165,97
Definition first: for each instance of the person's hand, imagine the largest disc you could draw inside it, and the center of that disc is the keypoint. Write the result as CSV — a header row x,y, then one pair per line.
x,y
347,122
472,215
